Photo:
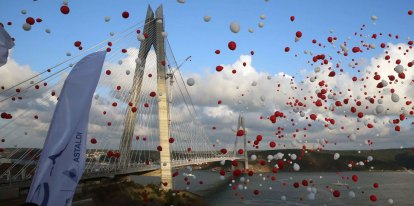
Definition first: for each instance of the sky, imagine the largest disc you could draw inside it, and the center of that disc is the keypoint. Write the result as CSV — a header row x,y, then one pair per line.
x,y
190,35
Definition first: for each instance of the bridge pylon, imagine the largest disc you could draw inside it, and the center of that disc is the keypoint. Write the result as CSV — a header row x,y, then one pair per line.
x,y
153,30
240,125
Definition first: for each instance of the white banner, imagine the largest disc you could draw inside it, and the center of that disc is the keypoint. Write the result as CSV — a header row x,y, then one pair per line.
x,y
62,160
6,43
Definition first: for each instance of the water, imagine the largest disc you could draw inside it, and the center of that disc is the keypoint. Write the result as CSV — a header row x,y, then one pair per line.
x,y
398,186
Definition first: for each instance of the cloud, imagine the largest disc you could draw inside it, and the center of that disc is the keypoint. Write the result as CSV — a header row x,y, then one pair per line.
x,y
239,96
255,94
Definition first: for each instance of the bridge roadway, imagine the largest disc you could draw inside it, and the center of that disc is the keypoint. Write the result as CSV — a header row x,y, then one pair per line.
x,y
111,171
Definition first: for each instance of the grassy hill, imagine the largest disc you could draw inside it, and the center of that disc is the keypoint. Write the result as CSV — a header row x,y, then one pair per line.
x,y
387,159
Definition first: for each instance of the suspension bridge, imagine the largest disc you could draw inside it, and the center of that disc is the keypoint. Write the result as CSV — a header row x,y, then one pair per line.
x,y
142,116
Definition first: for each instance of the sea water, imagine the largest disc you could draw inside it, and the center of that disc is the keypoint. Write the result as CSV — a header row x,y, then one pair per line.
x,y
397,187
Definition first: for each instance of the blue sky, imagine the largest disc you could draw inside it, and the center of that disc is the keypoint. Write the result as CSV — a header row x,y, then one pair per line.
x,y
190,35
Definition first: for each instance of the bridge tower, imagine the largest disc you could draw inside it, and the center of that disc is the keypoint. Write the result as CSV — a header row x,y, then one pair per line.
x,y
153,29
240,125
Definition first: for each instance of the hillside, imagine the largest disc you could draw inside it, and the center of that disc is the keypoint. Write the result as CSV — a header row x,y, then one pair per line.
x,y
387,159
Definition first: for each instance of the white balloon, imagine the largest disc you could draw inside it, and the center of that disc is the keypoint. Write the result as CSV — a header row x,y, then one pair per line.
x,y
269,157
395,97
254,83
107,18
336,156
127,72
68,54
181,1
311,196
399,69
390,201
141,37
164,34
138,61
111,33
352,137
65,2
24,11
374,18
250,30
47,31
351,194
235,27
190,82
293,156
242,179
283,198
253,157
296,167
370,158
27,27
261,24
279,155
262,16
120,62
379,109
262,98
207,18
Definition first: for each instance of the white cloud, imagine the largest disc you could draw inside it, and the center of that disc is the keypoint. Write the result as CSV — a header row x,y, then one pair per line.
x,y
237,95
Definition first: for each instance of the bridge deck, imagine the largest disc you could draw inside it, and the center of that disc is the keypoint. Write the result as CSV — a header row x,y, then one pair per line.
x,y
110,171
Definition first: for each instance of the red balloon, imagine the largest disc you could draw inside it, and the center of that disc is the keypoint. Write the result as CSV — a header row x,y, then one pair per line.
x,y
410,12
296,184
93,141
159,148
30,20
373,198
272,144
64,9
125,14
280,164
354,178
299,34
240,133
356,49
236,172
232,45
223,151
171,140
77,43
336,193
305,183
219,68
292,18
